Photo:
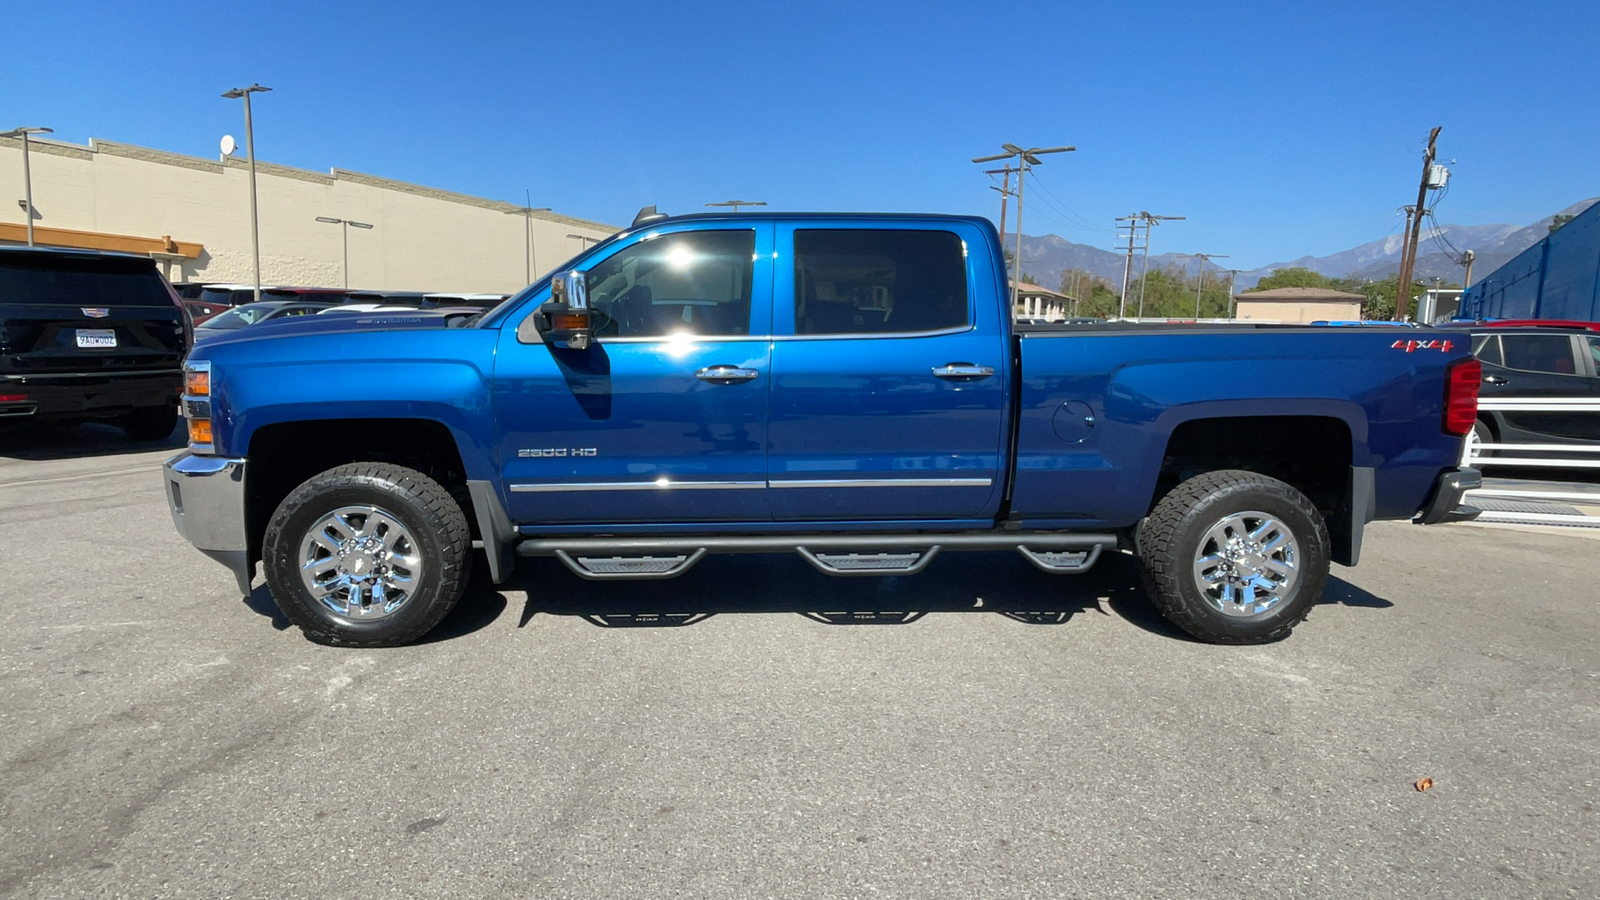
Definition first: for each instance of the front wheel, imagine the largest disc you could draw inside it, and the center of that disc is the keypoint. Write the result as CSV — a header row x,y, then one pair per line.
x,y
367,555
1234,557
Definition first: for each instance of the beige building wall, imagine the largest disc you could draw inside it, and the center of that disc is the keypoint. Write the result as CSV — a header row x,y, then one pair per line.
x,y
1300,313
422,239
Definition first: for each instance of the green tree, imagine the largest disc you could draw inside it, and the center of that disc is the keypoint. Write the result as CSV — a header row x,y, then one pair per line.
x,y
1294,276
1379,305
1169,293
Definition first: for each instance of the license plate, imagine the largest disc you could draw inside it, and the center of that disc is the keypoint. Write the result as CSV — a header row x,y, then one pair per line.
x,y
97,337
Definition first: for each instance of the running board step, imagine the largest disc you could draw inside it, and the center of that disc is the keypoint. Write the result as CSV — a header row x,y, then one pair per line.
x,y
1062,562
905,562
613,568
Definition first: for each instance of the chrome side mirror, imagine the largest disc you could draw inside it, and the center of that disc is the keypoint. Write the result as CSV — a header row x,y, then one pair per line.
x,y
565,318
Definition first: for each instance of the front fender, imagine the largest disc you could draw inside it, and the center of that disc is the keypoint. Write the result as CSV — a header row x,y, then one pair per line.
x,y
440,376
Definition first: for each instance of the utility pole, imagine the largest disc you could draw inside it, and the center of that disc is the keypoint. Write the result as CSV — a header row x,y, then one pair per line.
x,y
1127,267
1405,258
1005,192
1204,258
738,203
1148,219
1408,262
1466,281
1232,275
1025,158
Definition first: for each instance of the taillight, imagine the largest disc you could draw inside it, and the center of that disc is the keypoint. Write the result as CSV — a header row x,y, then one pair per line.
x,y
1462,380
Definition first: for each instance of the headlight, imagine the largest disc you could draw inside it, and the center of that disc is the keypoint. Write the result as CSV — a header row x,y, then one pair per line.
x,y
197,404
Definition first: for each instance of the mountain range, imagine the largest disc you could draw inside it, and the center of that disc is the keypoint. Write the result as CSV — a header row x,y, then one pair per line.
x,y
1046,257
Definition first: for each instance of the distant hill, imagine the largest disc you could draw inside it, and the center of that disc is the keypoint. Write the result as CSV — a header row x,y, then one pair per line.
x,y
1046,257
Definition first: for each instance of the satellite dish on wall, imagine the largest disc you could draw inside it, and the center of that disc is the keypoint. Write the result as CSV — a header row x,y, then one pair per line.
x,y
229,145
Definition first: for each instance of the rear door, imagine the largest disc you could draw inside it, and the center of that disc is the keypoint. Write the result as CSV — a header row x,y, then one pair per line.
x,y
663,419
72,313
1539,385
889,384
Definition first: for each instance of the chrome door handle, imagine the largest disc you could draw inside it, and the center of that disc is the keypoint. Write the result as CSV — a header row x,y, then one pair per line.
x,y
962,370
726,374
1494,379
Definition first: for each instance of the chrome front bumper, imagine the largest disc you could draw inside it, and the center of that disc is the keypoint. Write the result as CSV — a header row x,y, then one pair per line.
x,y
206,496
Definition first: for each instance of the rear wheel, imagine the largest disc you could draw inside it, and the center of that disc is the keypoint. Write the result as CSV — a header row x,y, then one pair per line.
x,y
1234,557
1472,447
150,423
367,555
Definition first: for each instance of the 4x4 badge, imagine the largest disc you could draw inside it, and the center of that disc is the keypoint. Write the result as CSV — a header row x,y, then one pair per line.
x,y
95,312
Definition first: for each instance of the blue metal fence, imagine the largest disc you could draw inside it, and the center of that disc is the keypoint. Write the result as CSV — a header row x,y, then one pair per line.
x,y
1557,278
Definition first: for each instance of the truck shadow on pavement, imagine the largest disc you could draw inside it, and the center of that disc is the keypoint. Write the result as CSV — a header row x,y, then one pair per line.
x,y
997,583
993,583
41,441
480,606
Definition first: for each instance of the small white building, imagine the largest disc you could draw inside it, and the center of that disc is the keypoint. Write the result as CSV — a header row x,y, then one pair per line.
x,y
1038,302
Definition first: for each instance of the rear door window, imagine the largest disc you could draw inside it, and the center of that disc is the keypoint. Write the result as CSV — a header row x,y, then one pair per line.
x,y
107,281
876,281
1547,353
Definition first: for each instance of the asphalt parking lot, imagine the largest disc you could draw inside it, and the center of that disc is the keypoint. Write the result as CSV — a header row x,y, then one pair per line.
x,y
984,730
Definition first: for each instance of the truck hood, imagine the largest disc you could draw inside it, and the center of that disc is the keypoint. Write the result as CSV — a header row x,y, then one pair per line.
x,y
334,323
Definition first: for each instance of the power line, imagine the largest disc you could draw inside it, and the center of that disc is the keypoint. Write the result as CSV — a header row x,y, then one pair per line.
x,y
1026,160
1060,206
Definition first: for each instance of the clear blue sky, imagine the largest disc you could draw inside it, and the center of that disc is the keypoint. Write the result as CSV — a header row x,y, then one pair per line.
x,y
1279,128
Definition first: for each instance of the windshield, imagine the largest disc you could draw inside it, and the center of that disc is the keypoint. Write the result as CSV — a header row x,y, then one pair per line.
x,y
237,318
226,296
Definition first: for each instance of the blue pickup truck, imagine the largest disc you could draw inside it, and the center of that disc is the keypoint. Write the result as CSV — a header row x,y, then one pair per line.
x,y
850,388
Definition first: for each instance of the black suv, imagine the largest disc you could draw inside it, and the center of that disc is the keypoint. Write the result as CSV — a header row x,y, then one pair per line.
x,y
1541,387
86,335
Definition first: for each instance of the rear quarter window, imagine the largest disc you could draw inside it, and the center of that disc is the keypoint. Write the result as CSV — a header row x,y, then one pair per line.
x,y
1486,347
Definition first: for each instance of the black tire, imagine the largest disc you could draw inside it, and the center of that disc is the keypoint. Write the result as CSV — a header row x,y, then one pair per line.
x,y
1170,541
422,506
150,423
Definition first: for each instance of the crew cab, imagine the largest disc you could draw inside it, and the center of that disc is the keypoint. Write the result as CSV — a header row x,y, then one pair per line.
x,y
850,388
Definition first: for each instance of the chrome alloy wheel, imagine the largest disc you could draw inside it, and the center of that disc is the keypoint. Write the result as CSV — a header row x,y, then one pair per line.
x,y
360,562
1247,564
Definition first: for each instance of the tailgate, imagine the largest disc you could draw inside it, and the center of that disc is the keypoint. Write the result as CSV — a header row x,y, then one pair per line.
x,y
75,313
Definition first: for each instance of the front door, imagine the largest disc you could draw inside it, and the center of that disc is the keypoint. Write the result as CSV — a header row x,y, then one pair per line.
x,y
663,419
889,383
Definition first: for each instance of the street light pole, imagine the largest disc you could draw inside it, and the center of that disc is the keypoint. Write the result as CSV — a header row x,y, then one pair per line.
x,y
27,175
1024,158
250,149
527,234
346,225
